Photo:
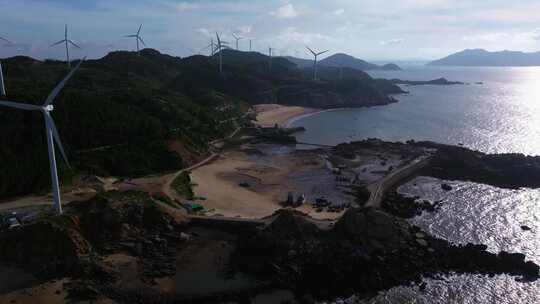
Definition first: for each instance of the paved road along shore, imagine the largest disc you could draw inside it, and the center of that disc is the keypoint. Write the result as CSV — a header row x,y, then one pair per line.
x,y
379,188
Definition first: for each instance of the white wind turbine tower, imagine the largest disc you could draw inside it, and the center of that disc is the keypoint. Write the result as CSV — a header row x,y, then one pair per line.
x,y
67,42
50,130
315,61
137,38
270,58
2,84
237,38
219,48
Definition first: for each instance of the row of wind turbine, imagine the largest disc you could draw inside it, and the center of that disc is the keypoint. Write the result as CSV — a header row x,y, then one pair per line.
x,y
67,42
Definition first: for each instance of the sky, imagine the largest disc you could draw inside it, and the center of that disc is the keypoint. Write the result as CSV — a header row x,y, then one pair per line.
x,y
369,29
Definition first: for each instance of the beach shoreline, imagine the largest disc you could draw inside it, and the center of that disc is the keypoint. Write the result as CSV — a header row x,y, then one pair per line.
x,y
268,115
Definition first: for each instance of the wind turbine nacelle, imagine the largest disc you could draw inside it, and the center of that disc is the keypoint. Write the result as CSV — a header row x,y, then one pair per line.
x,y
48,108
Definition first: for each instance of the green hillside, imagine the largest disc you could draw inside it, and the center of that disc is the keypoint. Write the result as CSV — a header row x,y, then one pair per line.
x,y
117,114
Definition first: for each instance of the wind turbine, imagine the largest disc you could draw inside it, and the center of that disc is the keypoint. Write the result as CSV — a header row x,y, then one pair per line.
x,y
2,84
137,38
67,41
238,38
220,47
50,130
211,46
270,58
315,61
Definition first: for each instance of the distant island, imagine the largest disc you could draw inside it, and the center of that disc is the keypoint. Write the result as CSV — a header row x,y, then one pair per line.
x,y
480,57
344,60
438,81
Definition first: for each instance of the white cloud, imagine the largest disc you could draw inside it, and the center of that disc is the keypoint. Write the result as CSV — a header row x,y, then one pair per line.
x,y
292,34
187,6
206,32
287,11
392,42
339,12
488,37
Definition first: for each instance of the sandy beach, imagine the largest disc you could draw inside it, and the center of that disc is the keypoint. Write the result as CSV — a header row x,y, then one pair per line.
x,y
268,115
268,173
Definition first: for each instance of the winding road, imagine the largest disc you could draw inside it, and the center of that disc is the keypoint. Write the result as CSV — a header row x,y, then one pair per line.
x,y
379,188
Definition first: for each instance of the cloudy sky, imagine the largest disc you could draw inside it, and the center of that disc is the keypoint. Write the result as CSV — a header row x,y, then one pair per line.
x,y
369,29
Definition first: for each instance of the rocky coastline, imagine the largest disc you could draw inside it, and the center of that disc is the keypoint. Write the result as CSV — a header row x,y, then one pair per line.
x,y
367,250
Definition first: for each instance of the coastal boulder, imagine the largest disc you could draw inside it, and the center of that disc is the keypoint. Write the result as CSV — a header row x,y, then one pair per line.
x,y
51,240
446,187
372,227
291,224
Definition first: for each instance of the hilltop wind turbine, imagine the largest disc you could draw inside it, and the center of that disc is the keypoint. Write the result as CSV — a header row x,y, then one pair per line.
x,y
2,84
270,58
67,41
50,130
211,46
221,45
315,61
137,38
237,38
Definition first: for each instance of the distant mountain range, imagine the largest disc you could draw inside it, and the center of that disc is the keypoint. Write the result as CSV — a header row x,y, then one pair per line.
x,y
480,57
344,60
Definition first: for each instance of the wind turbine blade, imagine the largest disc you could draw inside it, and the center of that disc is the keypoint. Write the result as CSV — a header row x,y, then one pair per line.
x,y
140,39
130,36
218,40
312,52
50,124
65,31
61,85
139,31
59,42
4,39
74,44
18,105
320,53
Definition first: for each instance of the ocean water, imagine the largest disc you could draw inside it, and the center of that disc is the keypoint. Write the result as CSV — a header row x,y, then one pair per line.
x,y
480,214
502,115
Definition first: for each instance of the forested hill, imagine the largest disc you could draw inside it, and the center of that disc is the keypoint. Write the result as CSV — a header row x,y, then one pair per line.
x,y
118,115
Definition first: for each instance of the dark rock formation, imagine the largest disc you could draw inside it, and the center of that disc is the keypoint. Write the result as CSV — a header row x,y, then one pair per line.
x,y
405,206
367,251
446,187
500,170
70,243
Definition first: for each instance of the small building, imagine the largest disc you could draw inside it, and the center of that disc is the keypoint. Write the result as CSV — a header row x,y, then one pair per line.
x,y
193,207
